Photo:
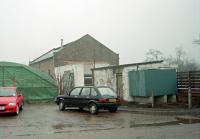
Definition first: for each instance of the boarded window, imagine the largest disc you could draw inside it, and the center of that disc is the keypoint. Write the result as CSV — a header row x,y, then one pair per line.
x,y
88,79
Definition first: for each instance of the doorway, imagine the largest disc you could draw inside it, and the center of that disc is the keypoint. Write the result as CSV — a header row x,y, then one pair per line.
x,y
119,85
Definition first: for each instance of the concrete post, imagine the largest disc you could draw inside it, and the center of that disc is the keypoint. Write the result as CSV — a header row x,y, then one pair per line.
x,y
172,98
152,100
189,98
165,99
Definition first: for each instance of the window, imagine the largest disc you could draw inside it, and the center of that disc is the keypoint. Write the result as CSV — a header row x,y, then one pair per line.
x,y
93,92
107,92
88,79
75,92
7,92
85,92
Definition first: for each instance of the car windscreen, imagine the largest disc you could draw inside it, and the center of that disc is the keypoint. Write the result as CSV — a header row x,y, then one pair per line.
x,y
7,92
107,92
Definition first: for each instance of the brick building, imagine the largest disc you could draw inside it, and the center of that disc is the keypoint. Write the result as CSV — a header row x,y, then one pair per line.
x,y
75,60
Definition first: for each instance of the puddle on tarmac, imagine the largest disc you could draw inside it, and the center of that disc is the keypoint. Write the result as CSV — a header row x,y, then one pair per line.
x,y
153,124
179,120
61,126
96,122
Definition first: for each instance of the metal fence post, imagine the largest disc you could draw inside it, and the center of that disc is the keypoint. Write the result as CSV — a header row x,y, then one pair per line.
x,y
189,92
189,98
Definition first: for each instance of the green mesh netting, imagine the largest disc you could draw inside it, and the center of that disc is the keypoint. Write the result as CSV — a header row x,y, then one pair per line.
x,y
34,84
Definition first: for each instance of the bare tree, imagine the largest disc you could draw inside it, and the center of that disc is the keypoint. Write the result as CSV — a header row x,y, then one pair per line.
x,y
154,55
180,59
190,65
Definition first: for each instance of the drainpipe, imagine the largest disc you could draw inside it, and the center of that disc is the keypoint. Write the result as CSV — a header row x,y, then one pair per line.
x,y
92,77
3,77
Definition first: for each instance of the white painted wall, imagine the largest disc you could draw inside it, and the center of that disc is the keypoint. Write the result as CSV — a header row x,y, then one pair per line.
x,y
77,69
125,81
105,78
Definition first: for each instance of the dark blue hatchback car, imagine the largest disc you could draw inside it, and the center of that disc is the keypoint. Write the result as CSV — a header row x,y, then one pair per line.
x,y
93,98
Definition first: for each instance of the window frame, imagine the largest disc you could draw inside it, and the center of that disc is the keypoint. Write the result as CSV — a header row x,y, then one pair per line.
x,y
80,94
95,91
88,78
74,89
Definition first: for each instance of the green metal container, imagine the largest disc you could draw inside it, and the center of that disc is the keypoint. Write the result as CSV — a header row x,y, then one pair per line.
x,y
154,81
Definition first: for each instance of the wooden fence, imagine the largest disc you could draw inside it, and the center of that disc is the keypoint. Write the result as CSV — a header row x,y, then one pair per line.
x,y
188,81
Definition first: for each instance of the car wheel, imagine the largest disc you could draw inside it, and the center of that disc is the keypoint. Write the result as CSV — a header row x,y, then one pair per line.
x,y
17,110
80,108
61,106
22,106
113,109
93,108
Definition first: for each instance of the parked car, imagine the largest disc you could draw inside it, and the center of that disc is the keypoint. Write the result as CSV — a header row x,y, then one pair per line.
x,y
93,98
11,100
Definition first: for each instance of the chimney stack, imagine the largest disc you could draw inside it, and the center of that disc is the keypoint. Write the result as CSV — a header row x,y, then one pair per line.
x,y
61,40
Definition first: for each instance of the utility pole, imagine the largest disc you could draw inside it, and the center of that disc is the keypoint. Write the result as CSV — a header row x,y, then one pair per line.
x,y
94,56
3,77
197,41
94,62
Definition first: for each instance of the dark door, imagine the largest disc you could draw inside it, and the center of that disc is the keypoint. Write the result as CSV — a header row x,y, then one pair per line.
x,y
119,85
73,100
84,97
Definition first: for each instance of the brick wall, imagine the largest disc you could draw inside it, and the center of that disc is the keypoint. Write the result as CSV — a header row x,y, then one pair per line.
x,y
45,65
86,52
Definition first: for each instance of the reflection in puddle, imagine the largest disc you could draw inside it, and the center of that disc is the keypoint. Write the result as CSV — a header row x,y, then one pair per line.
x,y
61,126
179,120
188,120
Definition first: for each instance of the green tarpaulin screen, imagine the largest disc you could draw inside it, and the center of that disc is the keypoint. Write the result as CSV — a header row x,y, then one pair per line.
x,y
34,84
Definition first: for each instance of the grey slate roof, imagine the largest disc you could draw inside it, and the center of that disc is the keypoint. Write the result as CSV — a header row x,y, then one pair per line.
x,y
47,55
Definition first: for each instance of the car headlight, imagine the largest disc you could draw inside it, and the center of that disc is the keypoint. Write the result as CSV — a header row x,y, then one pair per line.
x,y
11,104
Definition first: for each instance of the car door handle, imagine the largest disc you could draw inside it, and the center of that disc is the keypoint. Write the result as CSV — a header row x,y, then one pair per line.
x,y
75,96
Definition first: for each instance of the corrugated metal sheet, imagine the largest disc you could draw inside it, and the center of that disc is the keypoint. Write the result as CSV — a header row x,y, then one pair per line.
x,y
156,81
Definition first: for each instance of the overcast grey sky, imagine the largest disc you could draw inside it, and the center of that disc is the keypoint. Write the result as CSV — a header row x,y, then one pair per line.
x,y
29,28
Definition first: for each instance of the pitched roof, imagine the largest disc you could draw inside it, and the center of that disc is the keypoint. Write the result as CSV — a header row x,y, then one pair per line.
x,y
47,55
128,65
50,53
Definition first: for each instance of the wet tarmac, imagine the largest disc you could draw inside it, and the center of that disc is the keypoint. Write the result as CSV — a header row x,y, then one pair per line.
x,y
47,119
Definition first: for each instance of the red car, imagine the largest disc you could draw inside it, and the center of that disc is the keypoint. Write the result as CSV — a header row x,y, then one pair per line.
x,y
11,100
